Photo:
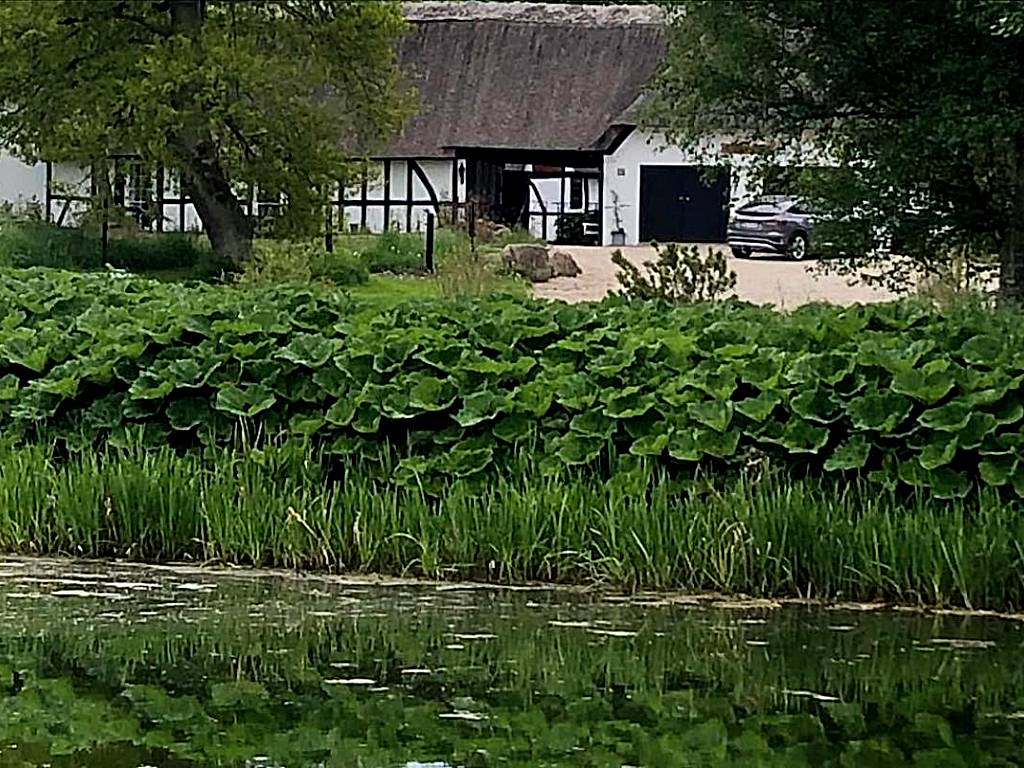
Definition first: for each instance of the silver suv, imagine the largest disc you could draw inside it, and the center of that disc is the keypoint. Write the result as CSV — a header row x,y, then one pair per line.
x,y
772,225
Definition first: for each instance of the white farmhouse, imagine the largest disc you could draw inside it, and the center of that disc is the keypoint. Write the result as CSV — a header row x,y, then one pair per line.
x,y
528,116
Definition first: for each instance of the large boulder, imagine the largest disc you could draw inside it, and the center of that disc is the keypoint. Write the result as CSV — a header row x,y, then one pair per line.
x,y
563,264
529,260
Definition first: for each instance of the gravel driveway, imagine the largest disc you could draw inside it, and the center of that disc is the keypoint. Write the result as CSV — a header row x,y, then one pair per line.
x,y
762,280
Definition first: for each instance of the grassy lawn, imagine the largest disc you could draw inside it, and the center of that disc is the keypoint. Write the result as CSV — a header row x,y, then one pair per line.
x,y
396,288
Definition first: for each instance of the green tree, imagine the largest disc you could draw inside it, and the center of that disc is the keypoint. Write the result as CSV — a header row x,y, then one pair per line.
x,y
278,93
919,104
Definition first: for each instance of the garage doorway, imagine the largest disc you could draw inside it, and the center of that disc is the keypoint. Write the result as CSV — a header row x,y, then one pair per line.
x,y
684,203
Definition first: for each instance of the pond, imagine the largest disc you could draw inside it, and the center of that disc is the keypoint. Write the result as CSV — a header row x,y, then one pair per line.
x,y
126,666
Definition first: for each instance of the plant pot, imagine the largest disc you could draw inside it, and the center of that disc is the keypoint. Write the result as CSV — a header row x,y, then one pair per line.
x,y
619,237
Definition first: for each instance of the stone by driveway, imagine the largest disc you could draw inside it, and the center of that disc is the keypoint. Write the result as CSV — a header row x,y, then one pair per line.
x,y
763,280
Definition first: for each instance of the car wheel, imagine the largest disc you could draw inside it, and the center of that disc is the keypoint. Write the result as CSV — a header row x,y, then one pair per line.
x,y
797,247
741,253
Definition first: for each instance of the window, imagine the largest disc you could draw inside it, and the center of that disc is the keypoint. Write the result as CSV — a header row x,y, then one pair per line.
x,y
575,193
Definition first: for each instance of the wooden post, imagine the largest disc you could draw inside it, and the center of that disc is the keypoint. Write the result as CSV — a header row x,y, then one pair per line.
x,y
49,191
159,199
429,250
387,195
105,229
329,226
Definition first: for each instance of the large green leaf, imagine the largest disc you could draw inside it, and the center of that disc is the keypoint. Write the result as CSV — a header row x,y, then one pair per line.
x,y
817,405
683,445
150,388
482,406
514,428
342,412
850,455
762,371
829,368
979,426
694,444
998,470
983,350
938,452
188,412
946,483
367,418
431,394
469,458
574,448
9,386
716,414
576,392
612,364
309,349
628,403
534,397
929,384
650,445
593,424
1008,411
951,417
879,411
758,409
801,436
721,445
245,401
719,384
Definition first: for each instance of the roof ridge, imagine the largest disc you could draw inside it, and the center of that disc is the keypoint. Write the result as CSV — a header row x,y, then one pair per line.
x,y
551,14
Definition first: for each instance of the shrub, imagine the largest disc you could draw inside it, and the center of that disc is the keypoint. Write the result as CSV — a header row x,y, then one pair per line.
x,y
39,244
899,393
339,268
395,252
679,275
36,243
284,261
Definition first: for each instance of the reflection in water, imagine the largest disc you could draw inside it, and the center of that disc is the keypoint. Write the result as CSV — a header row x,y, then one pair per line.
x,y
127,666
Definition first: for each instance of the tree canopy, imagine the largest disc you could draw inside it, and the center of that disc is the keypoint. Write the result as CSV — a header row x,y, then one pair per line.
x,y
278,93
917,105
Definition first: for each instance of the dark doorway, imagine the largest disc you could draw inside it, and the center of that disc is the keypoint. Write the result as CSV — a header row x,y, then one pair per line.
x,y
683,204
515,199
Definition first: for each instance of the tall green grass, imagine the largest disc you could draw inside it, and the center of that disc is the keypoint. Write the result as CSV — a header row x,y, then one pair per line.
x,y
277,507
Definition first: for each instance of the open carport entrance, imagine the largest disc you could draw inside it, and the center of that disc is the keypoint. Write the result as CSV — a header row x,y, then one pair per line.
x,y
501,185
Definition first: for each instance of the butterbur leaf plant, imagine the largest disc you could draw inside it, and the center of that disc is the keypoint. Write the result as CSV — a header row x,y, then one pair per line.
x,y
679,275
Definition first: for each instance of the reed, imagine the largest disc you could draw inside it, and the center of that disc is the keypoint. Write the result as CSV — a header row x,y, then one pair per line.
x,y
767,535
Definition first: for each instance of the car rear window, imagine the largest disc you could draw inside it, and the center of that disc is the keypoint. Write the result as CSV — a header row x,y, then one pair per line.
x,y
761,209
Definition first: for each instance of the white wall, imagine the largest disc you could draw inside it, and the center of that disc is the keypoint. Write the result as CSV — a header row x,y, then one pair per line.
x,y
21,183
437,171
68,179
550,190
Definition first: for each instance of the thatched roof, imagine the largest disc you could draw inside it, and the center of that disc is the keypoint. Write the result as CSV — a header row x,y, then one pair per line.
x,y
524,75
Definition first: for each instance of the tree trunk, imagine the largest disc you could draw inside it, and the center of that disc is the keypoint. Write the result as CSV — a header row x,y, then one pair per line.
x,y
1011,261
204,182
203,178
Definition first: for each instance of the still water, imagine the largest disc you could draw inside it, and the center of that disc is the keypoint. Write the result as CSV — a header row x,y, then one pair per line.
x,y
124,666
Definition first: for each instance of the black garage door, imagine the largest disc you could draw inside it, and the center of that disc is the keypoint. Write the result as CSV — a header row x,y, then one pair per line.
x,y
683,204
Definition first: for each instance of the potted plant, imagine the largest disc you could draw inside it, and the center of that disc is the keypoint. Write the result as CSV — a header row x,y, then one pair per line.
x,y
618,234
